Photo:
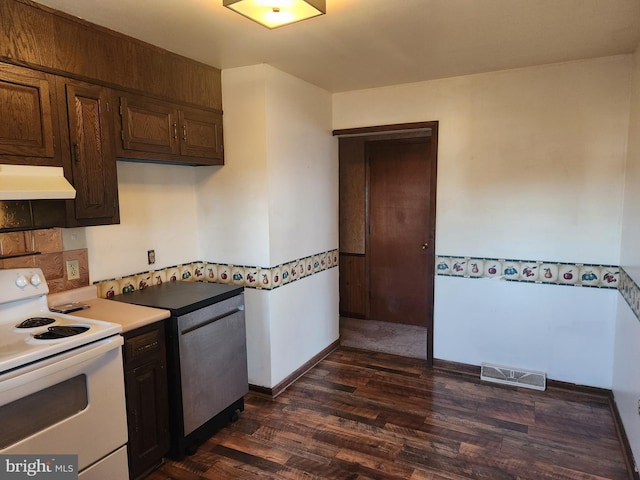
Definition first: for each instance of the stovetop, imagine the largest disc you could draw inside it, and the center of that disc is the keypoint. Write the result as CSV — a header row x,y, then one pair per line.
x,y
23,297
180,297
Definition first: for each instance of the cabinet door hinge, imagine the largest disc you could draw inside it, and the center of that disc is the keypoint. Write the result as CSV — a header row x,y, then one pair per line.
x,y
120,109
108,108
122,134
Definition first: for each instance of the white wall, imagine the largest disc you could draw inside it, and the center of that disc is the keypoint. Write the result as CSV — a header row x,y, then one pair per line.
x,y
276,201
233,200
530,161
302,158
302,167
233,205
630,253
565,331
157,211
530,166
626,374
304,321
258,326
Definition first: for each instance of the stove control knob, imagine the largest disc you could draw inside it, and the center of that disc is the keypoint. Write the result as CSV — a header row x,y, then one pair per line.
x,y
35,280
21,281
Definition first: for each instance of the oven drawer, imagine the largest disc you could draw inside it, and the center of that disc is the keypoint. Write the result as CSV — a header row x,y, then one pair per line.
x,y
113,466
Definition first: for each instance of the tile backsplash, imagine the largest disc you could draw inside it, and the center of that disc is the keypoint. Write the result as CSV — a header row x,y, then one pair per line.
x,y
31,214
43,249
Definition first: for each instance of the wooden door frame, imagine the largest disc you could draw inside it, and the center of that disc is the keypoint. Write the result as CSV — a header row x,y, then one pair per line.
x,y
404,131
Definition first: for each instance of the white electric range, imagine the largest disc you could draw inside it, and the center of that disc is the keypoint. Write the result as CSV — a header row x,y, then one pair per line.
x,y
73,367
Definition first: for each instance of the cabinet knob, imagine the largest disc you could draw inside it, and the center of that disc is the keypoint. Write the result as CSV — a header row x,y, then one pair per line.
x,y
425,246
175,131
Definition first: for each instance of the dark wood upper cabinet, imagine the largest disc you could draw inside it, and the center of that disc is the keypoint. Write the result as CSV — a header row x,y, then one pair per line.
x,y
26,121
152,129
201,135
26,33
147,126
90,155
38,36
169,108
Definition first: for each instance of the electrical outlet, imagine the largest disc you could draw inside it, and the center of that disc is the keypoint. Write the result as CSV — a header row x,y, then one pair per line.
x,y
73,270
151,256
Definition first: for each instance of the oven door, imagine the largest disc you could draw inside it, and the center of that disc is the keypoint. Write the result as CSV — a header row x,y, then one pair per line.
x,y
71,403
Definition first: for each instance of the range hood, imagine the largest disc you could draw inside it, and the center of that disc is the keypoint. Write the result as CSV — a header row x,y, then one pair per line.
x,y
27,182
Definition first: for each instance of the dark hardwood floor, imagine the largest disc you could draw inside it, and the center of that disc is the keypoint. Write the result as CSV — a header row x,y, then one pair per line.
x,y
364,415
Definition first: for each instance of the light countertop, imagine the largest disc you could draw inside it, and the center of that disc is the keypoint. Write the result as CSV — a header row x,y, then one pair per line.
x,y
127,315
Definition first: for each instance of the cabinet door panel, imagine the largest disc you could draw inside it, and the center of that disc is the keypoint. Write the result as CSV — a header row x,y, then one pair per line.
x,y
25,109
93,161
148,126
147,416
201,134
147,397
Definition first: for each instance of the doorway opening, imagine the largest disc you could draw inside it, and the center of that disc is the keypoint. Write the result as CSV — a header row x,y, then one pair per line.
x,y
387,236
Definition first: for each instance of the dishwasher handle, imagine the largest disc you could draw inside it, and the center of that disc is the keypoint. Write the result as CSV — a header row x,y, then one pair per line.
x,y
211,320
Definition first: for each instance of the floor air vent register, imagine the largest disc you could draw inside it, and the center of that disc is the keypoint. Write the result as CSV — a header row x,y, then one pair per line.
x,y
513,376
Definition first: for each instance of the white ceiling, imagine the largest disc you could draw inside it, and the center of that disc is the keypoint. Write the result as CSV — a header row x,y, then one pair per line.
x,y
369,43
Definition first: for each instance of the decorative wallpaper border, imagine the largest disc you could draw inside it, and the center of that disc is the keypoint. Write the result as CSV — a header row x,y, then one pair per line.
x,y
630,292
243,275
531,271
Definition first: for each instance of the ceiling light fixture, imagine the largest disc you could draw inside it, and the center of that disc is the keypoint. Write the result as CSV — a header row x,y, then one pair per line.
x,y
276,13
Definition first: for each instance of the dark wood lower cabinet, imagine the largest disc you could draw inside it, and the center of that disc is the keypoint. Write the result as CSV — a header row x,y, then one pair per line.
x,y
145,375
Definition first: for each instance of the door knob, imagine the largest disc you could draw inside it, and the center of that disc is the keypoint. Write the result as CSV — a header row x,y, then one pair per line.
x,y
425,246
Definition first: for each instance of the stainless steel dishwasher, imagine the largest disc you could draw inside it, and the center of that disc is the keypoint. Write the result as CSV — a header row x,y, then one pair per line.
x,y
206,357
213,360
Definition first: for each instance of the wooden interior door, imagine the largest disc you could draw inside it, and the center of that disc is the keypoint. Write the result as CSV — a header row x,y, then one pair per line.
x,y
399,234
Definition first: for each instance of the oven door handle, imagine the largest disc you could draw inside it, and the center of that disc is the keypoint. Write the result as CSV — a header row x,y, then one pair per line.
x,y
14,381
